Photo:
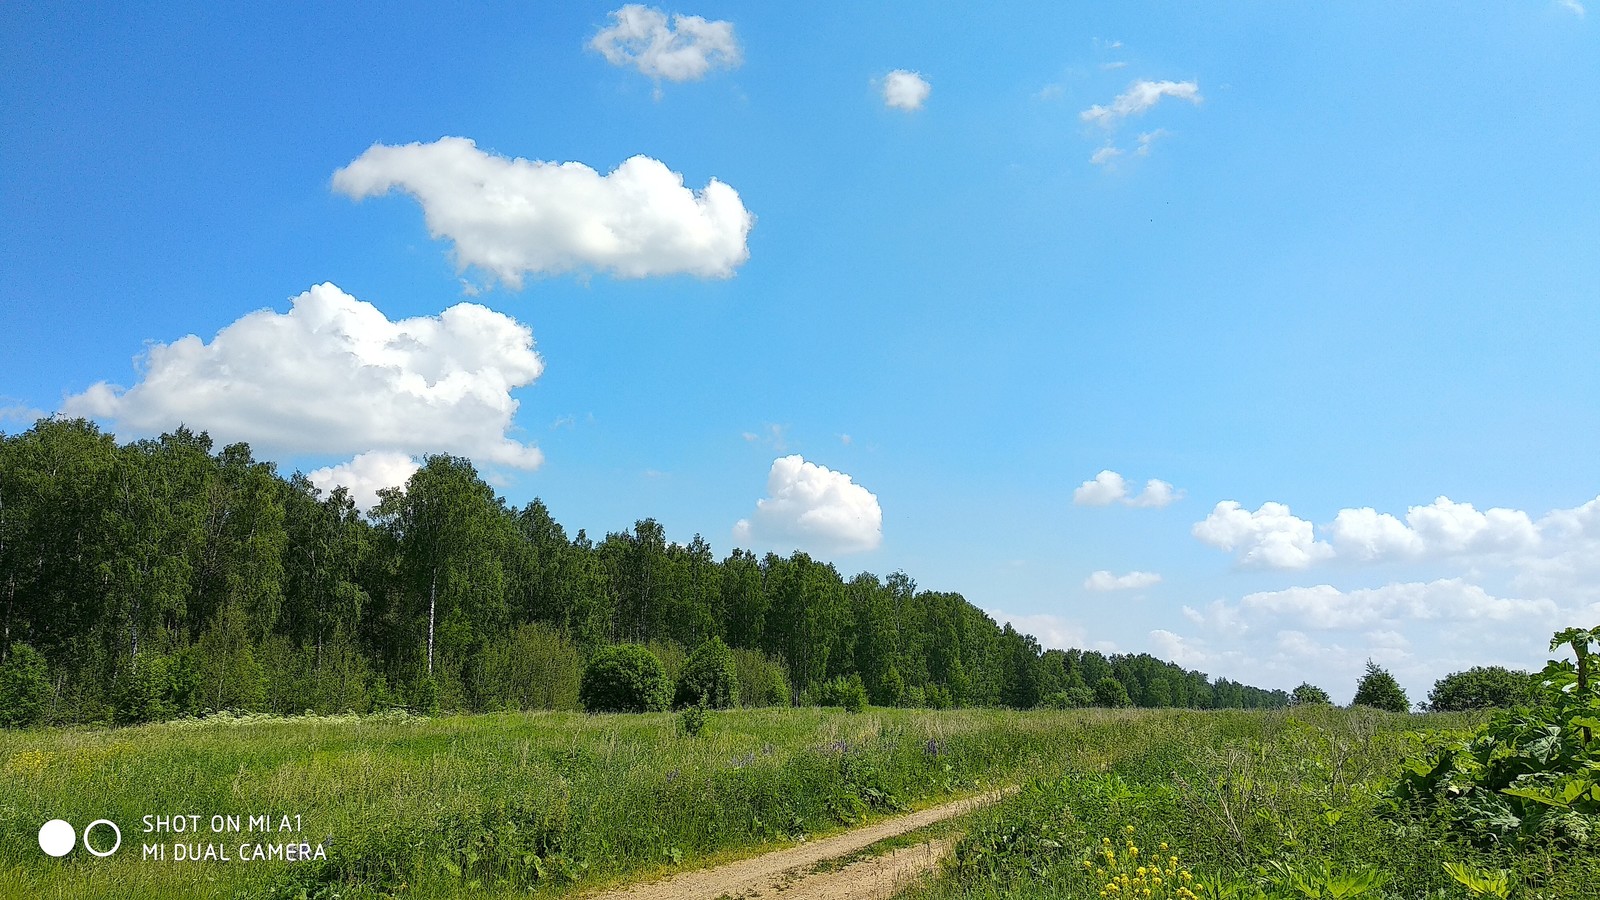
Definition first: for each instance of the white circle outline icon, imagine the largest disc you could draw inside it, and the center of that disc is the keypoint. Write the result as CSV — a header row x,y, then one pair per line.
x,y
56,837
90,827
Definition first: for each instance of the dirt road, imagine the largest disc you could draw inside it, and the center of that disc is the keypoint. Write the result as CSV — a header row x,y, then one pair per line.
x,y
788,873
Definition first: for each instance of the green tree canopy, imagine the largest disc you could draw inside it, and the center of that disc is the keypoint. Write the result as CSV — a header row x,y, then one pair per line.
x,y
1307,694
1481,687
1110,692
1379,690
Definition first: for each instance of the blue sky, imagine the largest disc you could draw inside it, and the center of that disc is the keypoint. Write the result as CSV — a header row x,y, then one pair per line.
x,y
1312,269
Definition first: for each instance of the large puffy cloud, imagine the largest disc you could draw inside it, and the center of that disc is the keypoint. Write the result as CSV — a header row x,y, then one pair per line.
x,y
906,90
1443,527
684,50
1109,487
813,507
516,217
366,475
1271,537
333,375
1103,580
1138,98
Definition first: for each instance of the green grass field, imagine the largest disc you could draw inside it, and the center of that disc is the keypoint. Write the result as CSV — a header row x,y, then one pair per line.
x,y
550,803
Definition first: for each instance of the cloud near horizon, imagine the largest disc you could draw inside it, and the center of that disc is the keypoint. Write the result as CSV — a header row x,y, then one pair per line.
x,y
334,375
516,217
812,507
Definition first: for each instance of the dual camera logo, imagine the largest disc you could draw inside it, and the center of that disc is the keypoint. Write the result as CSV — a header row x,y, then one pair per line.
x,y
57,837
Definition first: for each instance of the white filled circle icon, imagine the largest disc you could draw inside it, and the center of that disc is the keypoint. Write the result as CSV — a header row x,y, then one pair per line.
x,y
56,837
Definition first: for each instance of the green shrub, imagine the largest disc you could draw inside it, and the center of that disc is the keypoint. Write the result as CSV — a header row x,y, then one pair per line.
x,y
761,679
425,696
1308,694
693,719
708,678
24,687
624,678
537,667
1481,687
849,693
153,688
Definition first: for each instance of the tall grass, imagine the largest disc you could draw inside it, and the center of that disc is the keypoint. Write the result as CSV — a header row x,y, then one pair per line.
x,y
492,803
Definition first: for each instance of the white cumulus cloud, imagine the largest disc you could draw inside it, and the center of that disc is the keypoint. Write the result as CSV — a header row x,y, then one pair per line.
x,y
1271,537
814,508
366,475
1441,528
333,375
684,50
1103,490
1109,487
517,217
1103,580
907,90
1138,98
1157,493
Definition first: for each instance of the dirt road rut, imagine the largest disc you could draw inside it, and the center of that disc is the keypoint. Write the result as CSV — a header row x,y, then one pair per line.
x,y
788,873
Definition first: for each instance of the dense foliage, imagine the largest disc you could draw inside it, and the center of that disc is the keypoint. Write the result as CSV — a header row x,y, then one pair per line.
x,y
162,578
1308,693
1531,776
709,678
1379,690
625,678
1482,687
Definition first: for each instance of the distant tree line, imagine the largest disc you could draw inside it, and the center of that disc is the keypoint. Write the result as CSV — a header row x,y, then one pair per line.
x,y
158,578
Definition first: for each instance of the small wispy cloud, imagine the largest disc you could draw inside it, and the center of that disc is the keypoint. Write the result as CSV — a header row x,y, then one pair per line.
x,y
1148,138
774,436
1138,98
1573,6
1105,581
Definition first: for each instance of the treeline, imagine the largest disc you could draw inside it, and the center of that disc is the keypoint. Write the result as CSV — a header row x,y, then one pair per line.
x,y
158,578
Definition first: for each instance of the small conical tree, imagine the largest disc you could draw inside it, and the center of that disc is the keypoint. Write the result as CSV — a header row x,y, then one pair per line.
x,y
1378,689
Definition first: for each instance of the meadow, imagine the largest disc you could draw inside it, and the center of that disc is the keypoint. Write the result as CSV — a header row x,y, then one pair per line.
x,y
1282,803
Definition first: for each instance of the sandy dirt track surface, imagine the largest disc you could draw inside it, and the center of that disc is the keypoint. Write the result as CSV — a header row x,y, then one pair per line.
x,y
788,874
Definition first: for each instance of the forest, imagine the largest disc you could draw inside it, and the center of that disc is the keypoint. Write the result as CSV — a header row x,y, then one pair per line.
x,y
157,579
